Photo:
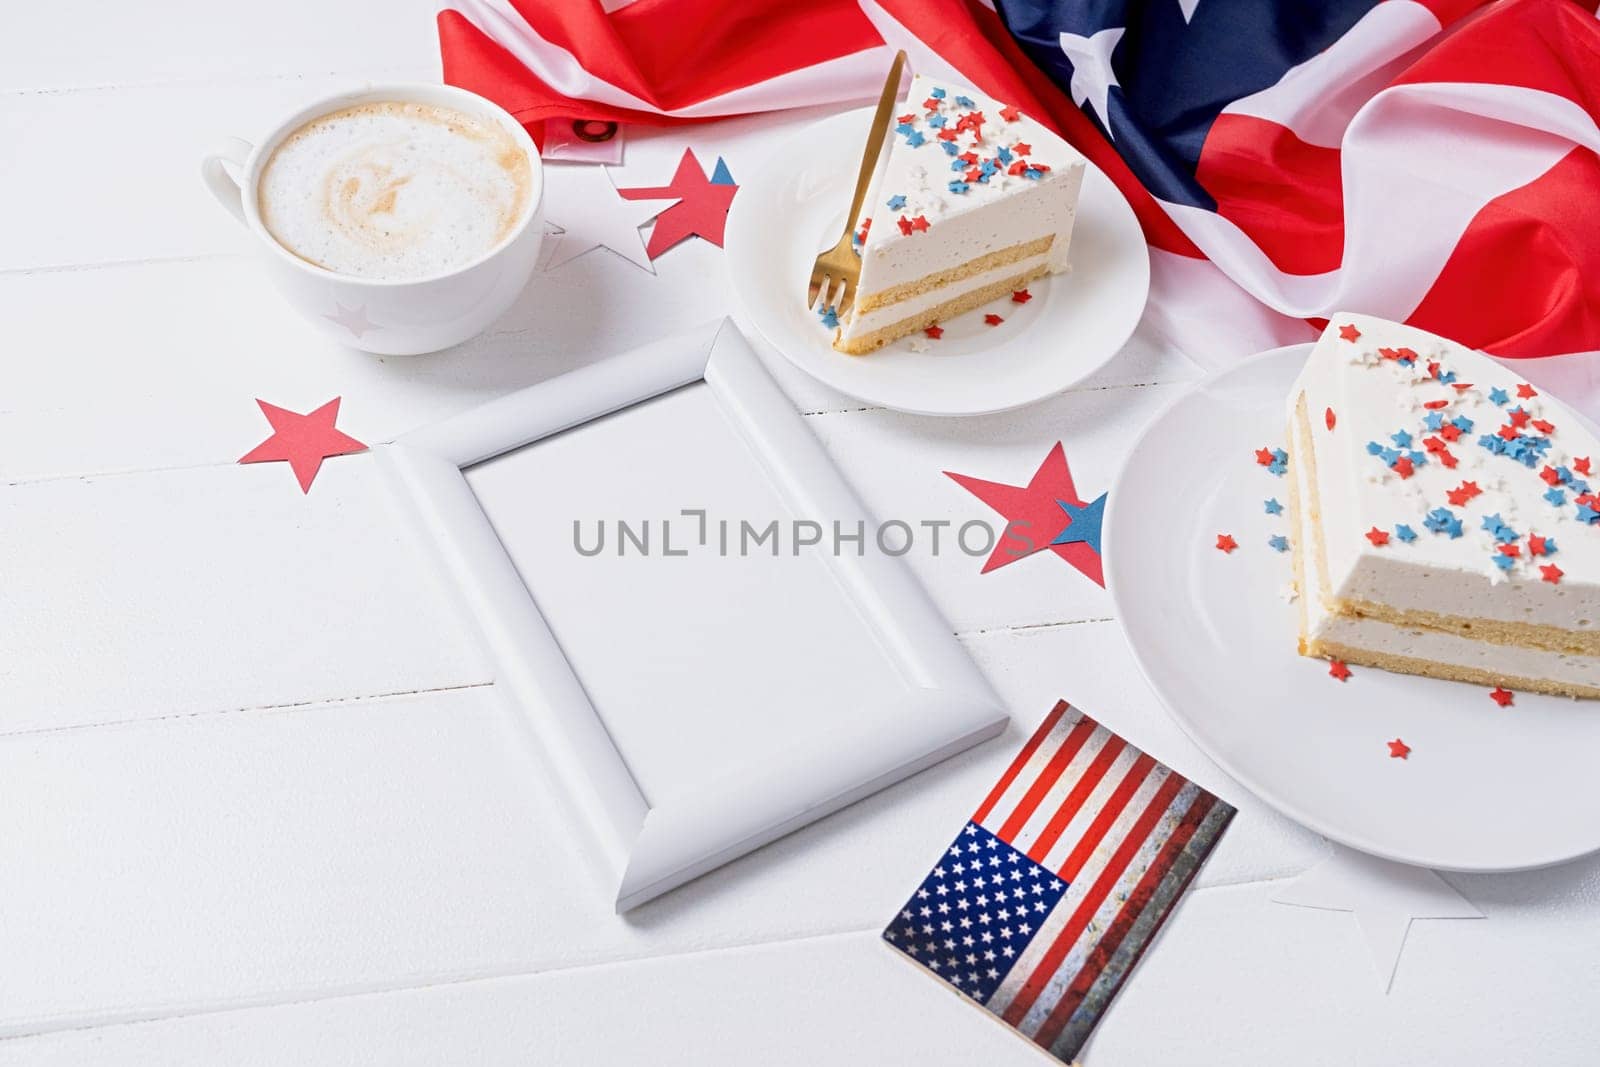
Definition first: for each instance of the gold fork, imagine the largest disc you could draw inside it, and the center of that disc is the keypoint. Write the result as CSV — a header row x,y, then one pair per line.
x,y
837,271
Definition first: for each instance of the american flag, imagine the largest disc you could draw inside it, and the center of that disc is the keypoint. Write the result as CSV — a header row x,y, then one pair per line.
x,y
1430,161
1056,885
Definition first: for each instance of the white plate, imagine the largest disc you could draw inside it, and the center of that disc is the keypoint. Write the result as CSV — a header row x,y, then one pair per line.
x,y
1484,789
1072,326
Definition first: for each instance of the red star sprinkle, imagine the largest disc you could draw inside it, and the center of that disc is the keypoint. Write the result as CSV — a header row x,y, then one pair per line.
x,y
1509,432
1348,332
931,104
1017,167
1461,387
935,331
1518,417
1552,573
1581,464
1448,459
1435,405
1010,113
947,134
1551,475
1226,543
1536,545
992,319
1450,431
1462,493
1264,456
905,225
1021,296
1503,697
304,441
920,223
972,175
1433,444
701,210
1337,669
1398,749
1543,426
1526,392
1022,148
1377,536
906,119
1329,418
1512,549
969,158
1404,467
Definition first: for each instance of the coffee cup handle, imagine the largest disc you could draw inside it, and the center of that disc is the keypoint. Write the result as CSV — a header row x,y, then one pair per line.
x,y
222,182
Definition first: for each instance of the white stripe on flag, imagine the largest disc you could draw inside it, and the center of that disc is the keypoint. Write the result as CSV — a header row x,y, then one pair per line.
x,y
1091,808
1007,804
1051,995
1053,923
858,76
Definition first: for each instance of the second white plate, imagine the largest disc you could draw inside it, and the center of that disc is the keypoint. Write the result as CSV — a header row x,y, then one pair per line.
x,y
1073,325
1484,789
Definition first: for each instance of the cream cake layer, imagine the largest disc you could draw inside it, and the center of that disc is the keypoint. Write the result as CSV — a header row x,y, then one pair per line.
x,y
1023,269
1362,640
966,180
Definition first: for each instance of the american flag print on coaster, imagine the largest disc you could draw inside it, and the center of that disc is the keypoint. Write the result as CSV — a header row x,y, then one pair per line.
x,y
1054,888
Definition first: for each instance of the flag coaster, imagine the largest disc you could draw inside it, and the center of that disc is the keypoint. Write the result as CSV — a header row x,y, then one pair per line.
x,y
1054,888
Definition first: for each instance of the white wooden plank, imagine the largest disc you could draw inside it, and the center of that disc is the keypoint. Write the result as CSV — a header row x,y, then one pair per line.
x,y
178,592
60,45
214,860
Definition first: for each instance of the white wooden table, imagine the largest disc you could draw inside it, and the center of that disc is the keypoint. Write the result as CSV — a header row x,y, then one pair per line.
x,y
259,802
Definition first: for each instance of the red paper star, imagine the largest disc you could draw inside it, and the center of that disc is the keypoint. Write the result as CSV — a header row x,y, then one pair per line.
x,y
303,440
1526,392
1033,516
1552,573
993,319
1330,418
1337,668
1503,697
1021,296
1377,536
935,331
1398,749
1348,332
1226,543
701,211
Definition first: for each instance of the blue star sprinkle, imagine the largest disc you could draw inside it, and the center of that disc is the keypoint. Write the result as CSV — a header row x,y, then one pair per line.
x,y
1279,542
1374,448
1586,514
1401,439
1498,529
1498,397
1434,421
959,187
1084,521
1555,496
830,317
896,202
1405,533
937,122
916,140
937,94
1503,562
949,147
1447,377
904,128
962,101
1004,155
958,164
1280,462
1443,520
1273,507
1033,175
1549,546
1462,423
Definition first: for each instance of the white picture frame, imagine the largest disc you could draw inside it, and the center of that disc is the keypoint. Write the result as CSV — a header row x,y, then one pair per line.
x,y
929,703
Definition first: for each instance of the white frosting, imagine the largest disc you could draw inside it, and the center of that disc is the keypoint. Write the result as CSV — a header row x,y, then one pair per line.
x,y
1374,398
393,189
1004,211
878,318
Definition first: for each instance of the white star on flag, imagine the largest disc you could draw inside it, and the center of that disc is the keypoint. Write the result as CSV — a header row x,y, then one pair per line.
x,y
590,214
1092,78
1187,7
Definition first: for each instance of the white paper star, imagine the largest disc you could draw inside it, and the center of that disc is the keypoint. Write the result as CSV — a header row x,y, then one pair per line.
x,y
590,214
1384,896
353,319
1092,78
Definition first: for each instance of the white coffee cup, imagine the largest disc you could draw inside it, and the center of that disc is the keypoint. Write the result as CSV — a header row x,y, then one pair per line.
x,y
404,316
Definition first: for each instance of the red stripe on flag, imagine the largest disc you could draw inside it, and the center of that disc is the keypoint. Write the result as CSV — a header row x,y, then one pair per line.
x,y
1074,803
1286,195
1081,732
1535,251
1126,916
1000,787
1107,818
1533,43
1062,946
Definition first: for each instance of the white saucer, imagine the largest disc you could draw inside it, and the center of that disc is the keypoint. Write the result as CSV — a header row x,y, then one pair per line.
x,y
1484,788
1072,326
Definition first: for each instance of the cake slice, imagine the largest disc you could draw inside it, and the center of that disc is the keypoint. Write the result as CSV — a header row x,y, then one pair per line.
x,y
973,201
1445,522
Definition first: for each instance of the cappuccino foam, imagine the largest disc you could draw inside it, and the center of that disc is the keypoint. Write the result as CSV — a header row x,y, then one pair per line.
x,y
394,189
